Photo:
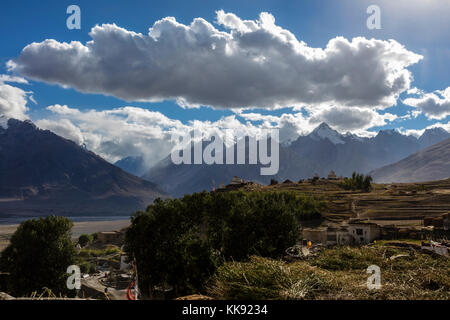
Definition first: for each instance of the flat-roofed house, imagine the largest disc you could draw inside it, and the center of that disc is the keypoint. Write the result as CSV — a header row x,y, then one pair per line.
x,y
363,232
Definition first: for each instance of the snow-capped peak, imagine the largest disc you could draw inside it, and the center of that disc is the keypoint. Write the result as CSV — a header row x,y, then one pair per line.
x,y
435,131
323,131
353,136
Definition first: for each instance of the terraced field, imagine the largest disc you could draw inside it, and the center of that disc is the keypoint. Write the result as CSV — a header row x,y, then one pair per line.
x,y
402,203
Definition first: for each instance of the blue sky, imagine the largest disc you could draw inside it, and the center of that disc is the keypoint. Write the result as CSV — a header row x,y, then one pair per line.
x,y
421,28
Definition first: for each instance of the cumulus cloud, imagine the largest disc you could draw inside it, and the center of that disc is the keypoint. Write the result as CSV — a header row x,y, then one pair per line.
x,y
435,105
13,100
132,131
352,119
253,63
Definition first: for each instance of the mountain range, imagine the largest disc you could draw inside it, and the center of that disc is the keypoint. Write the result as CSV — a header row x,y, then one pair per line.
x,y
321,151
42,173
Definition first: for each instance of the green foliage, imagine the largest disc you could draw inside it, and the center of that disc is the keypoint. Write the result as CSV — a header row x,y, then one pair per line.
x,y
99,252
38,256
262,223
85,239
358,182
167,246
87,267
180,241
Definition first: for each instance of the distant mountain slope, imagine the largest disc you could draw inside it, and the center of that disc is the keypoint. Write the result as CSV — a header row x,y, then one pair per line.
x,y
433,136
133,165
182,179
42,173
344,154
433,163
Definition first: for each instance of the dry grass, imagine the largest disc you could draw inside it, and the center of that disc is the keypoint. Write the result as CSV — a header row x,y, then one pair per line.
x,y
338,273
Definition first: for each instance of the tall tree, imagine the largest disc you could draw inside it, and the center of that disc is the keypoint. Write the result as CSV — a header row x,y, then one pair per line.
x,y
38,256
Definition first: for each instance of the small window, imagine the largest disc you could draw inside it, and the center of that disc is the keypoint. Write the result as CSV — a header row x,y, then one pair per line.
x,y
359,232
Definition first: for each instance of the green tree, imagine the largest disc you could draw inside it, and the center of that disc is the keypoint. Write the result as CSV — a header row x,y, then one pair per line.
x,y
85,239
180,242
358,182
166,243
38,256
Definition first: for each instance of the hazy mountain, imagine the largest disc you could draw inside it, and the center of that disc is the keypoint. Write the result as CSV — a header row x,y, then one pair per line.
x,y
182,179
330,150
433,136
433,163
42,173
133,165
324,149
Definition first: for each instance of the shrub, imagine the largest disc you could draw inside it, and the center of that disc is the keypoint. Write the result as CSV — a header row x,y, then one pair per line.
x,y
85,239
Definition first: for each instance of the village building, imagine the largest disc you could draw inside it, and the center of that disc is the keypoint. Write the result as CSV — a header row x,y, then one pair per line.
x,y
316,235
353,233
108,236
332,175
364,232
438,222
237,180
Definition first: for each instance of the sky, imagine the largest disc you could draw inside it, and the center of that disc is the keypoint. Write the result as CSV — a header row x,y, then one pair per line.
x,y
138,71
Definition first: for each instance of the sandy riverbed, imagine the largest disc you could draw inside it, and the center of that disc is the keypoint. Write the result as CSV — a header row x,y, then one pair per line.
x,y
79,228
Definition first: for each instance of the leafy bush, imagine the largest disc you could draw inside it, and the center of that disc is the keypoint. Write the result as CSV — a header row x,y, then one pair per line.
x,y
38,256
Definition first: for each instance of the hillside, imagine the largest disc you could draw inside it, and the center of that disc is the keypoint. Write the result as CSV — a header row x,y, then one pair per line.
x,y
42,173
430,164
401,203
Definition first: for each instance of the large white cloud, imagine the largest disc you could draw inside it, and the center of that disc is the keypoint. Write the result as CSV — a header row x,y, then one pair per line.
x,y
13,100
435,105
132,131
250,64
